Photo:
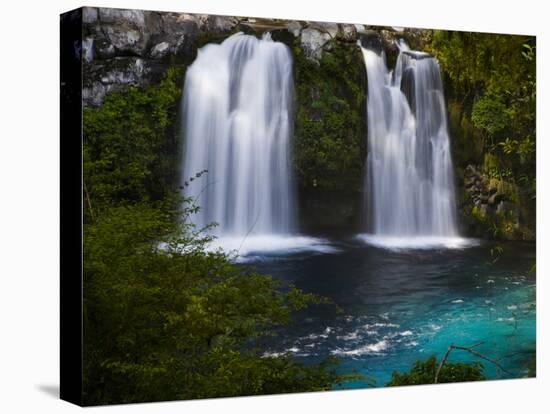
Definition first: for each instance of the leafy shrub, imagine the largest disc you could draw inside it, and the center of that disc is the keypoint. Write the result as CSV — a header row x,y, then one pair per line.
x,y
423,372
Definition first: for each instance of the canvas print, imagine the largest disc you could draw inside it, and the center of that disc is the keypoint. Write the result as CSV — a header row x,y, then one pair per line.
x,y
275,206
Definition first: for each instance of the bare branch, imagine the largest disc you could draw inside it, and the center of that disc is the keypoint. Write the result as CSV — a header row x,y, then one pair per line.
x,y
471,351
249,231
449,349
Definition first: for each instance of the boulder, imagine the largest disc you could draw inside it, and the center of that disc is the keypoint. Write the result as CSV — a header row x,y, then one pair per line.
x,y
160,50
347,33
126,41
124,71
360,28
371,40
103,49
116,74
221,24
126,30
122,17
469,181
470,170
331,29
294,27
175,24
130,47
312,42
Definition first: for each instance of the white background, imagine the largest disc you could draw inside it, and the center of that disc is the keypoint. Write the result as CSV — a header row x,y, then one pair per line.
x,y
29,206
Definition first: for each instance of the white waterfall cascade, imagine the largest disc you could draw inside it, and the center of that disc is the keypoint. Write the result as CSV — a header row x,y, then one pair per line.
x,y
410,194
237,123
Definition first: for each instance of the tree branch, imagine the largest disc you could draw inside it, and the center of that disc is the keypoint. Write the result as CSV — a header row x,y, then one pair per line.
x,y
471,351
449,349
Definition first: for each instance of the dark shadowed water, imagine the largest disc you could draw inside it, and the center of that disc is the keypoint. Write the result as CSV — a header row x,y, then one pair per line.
x,y
400,306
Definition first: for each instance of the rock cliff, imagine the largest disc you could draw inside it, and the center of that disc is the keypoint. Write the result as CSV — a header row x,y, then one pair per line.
x,y
135,47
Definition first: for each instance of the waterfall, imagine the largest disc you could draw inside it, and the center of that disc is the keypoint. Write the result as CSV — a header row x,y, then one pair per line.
x,y
237,105
409,173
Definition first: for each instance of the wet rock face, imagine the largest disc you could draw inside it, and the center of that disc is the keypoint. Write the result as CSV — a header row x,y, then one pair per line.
x,y
347,33
114,74
134,47
295,28
316,37
371,40
493,202
125,30
313,41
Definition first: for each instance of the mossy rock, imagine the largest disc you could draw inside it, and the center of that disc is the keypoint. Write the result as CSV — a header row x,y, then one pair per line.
x,y
330,123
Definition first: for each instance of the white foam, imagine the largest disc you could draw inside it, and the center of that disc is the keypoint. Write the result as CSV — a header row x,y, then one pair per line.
x,y
255,245
272,354
435,327
417,242
368,349
457,301
352,336
323,335
511,319
292,350
380,325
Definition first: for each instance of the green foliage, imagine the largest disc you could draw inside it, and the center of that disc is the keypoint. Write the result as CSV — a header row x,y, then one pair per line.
x,y
489,114
423,372
164,317
329,138
500,225
485,62
496,254
128,155
173,321
490,82
493,76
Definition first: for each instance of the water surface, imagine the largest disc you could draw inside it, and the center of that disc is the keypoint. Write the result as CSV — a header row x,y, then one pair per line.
x,y
407,304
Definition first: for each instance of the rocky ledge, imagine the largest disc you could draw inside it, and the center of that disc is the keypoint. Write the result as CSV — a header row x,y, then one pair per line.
x,y
492,207
490,196
134,47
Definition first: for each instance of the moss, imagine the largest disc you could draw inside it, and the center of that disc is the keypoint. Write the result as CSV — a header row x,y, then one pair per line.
x,y
490,163
130,143
330,122
467,143
500,225
490,89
